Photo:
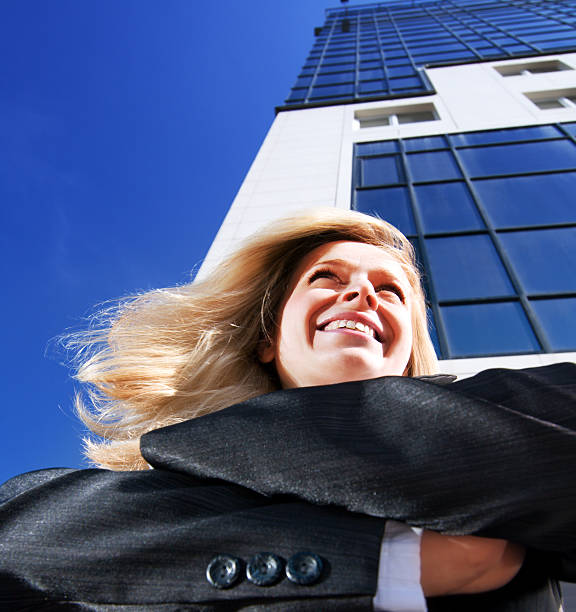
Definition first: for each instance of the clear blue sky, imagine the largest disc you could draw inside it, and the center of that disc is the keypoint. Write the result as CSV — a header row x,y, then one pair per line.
x,y
126,128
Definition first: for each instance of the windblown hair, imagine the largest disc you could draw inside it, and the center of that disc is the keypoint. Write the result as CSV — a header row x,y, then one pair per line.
x,y
177,353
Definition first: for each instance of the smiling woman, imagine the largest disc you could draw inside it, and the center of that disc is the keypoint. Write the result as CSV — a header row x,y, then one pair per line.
x,y
279,425
252,327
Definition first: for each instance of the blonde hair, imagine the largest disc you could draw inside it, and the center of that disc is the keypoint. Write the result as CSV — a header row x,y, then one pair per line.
x,y
177,353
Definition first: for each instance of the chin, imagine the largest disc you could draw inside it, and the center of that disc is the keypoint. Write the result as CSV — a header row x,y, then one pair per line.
x,y
352,367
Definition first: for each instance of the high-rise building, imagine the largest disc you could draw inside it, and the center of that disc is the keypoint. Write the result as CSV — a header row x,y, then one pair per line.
x,y
455,120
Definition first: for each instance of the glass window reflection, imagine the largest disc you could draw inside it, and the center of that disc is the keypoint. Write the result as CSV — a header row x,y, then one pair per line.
x,y
436,166
510,135
465,267
520,158
557,317
529,200
447,207
391,204
545,260
381,170
377,148
488,329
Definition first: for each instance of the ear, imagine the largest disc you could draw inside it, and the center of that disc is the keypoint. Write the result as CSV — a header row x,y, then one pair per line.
x,y
266,351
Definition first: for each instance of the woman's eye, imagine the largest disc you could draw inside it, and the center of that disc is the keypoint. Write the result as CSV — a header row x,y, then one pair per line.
x,y
391,289
322,274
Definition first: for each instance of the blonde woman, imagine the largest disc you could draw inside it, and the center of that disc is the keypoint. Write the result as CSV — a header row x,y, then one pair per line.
x,y
258,427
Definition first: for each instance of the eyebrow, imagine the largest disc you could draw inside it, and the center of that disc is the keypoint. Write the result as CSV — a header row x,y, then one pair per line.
x,y
345,262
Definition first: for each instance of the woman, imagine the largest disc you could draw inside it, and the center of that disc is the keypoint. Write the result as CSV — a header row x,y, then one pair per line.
x,y
279,498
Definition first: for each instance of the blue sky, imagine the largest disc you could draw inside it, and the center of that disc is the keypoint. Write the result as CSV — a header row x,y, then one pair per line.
x,y
126,128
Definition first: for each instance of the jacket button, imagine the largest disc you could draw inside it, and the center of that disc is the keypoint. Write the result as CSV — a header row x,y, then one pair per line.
x,y
264,569
304,568
223,571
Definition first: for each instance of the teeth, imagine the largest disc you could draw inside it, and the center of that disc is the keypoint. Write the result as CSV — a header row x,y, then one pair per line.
x,y
338,324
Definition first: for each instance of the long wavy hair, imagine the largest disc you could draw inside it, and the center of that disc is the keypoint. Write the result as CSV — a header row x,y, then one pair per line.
x,y
173,354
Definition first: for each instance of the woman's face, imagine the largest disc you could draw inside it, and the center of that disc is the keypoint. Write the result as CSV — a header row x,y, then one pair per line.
x,y
345,316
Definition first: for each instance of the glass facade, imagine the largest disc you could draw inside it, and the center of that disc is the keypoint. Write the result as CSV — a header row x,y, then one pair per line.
x,y
492,216
378,50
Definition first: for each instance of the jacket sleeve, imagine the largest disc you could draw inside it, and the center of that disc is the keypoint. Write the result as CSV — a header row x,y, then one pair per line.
x,y
93,538
490,456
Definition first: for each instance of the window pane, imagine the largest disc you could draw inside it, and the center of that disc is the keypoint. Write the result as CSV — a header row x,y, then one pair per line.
x,y
371,86
529,200
416,117
436,166
370,75
570,128
377,148
447,207
374,121
334,78
548,104
381,170
488,329
467,267
519,158
332,90
545,260
406,83
495,136
557,318
425,144
391,204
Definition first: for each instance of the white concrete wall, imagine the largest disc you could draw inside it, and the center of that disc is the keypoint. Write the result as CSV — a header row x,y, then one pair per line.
x,y
306,158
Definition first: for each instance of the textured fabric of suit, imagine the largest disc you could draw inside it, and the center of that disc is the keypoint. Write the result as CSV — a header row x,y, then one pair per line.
x,y
307,469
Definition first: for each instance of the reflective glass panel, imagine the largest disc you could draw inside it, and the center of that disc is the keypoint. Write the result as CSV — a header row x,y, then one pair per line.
x,y
520,158
545,260
529,200
496,136
391,204
570,128
466,267
405,83
381,170
447,207
371,86
332,90
436,166
334,78
557,318
425,144
377,148
488,329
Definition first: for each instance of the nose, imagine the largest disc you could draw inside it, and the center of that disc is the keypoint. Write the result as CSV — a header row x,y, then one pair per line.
x,y
363,293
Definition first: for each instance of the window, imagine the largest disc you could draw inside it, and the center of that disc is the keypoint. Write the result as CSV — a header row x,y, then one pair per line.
x,y
488,329
532,68
378,117
492,219
561,98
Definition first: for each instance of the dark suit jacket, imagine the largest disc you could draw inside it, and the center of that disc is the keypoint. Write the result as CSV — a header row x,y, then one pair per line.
x,y
313,469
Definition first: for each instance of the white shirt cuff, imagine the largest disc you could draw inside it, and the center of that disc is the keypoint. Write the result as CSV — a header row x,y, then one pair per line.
x,y
399,587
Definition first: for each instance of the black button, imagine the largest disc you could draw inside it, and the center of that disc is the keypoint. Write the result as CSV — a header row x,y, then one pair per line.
x,y
223,571
264,569
304,568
